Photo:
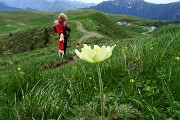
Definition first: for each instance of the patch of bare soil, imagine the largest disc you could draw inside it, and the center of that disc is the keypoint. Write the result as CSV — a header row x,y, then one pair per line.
x,y
64,61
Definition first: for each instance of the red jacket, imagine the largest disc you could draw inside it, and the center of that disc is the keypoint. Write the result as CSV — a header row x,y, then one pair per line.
x,y
61,27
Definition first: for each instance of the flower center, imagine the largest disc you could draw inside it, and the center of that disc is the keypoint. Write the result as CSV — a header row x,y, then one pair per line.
x,y
96,49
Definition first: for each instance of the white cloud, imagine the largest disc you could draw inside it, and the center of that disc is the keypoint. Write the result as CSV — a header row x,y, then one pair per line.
x,y
91,1
151,1
161,1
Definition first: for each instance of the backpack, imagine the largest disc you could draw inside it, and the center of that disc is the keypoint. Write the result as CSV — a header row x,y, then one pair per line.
x,y
54,26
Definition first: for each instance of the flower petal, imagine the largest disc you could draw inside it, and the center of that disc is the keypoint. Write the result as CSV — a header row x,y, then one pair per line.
x,y
78,53
88,54
100,55
96,47
109,51
86,46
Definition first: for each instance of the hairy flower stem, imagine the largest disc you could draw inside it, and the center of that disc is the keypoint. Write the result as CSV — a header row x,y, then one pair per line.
x,y
101,92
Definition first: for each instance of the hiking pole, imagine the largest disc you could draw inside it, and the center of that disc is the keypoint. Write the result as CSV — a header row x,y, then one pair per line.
x,y
69,37
69,43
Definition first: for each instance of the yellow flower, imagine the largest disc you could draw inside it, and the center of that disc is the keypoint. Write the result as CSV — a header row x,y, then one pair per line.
x,y
90,78
19,69
96,54
132,80
22,73
177,58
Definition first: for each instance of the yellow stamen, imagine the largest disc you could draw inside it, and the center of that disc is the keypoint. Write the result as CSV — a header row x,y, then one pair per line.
x,y
96,49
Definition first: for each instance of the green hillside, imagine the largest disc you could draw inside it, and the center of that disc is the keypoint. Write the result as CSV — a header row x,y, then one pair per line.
x,y
17,20
140,79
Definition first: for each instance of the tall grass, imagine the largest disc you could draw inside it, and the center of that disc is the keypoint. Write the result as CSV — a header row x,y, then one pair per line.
x,y
71,91
141,81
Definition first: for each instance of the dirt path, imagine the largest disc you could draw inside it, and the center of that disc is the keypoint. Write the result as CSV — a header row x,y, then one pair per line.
x,y
78,43
150,29
87,34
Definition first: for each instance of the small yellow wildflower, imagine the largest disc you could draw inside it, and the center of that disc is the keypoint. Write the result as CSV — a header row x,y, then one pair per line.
x,y
151,48
177,58
90,78
19,69
22,73
132,81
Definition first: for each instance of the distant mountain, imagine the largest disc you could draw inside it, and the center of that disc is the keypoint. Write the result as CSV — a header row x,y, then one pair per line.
x,y
4,7
75,3
46,5
140,8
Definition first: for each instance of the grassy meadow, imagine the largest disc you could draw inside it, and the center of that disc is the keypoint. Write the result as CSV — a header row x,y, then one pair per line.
x,y
140,79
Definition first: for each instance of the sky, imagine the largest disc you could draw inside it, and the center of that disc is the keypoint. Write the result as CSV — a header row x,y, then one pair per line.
x,y
151,1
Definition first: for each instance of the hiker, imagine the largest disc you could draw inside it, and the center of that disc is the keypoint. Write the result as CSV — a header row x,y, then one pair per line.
x,y
62,30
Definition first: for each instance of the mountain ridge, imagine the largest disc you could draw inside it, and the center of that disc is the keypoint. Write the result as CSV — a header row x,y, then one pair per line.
x,y
140,8
46,5
4,7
